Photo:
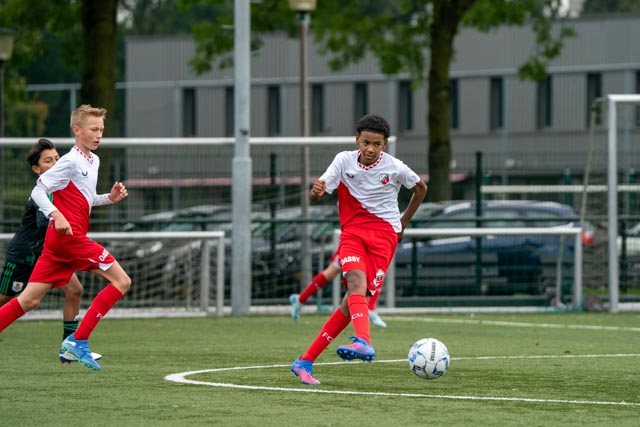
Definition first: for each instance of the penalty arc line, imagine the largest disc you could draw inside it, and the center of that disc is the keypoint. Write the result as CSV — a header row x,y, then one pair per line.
x,y
182,379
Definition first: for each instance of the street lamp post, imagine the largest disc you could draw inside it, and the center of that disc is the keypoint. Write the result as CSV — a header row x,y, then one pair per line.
x,y
6,48
304,7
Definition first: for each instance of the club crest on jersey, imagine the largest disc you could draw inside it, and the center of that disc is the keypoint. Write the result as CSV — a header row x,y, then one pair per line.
x,y
379,279
384,178
17,286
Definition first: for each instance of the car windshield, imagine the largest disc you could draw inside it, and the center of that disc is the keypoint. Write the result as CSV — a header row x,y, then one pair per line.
x,y
491,218
463,215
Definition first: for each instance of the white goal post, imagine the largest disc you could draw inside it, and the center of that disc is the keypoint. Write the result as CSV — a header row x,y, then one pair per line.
x,y
612,194
211,251
390,288
612,189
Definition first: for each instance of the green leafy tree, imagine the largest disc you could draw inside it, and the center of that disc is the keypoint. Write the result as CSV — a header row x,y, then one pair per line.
x,y
150,17
402,35
84,32
597,7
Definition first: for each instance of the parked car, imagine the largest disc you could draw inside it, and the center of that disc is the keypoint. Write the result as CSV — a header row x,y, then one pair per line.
x,y
275,246
505,265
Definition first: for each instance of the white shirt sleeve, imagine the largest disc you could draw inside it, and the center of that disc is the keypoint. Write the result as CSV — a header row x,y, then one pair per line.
x,y
102,199
333,173
39,195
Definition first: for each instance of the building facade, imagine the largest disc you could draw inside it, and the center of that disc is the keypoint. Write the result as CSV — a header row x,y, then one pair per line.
x,y
522,127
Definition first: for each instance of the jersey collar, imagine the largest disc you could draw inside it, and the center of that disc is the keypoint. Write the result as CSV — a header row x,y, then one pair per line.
x,y
372,165
88,158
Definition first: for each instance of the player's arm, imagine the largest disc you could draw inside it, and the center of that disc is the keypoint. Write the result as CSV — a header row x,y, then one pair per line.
x,y
42,222
118,192
328,181
419,192
317,190
39,196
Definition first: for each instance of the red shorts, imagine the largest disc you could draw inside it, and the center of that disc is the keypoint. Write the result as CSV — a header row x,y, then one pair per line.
x,y
368,250
63,255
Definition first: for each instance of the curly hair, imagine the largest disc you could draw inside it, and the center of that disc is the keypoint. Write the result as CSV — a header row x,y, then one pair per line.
x,y
373,123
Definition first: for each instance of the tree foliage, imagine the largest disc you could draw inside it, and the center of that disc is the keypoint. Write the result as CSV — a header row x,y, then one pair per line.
x,y
81,32
409,36
597,7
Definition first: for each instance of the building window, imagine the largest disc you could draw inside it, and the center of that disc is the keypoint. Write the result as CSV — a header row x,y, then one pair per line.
x,y
636,107
594,91
317,109
229,112
189,112
453,95
496,103
361,101
274,111
405,106
543,110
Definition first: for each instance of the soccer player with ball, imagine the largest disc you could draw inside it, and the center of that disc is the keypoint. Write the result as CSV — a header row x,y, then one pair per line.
x,y
67,248
368,181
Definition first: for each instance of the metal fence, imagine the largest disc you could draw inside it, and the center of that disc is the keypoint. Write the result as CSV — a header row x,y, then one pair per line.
x,y
184,184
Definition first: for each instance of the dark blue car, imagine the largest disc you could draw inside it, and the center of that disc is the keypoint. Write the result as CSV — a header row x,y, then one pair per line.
x,y
503,265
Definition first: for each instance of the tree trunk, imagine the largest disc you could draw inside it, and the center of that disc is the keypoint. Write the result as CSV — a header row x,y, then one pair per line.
x,y
99,56
446,20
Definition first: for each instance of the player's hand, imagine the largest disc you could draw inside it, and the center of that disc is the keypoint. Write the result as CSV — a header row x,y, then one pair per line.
x,y
318,189
118,192
61,224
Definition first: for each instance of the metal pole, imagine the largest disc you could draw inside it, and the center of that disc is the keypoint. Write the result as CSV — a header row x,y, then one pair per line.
x,y
304,152
479,223
205,274
220,263
241,165
612,182
577,267
1,99
2,168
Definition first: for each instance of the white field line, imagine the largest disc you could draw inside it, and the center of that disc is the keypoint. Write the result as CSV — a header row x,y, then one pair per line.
x,y
514,324
182,378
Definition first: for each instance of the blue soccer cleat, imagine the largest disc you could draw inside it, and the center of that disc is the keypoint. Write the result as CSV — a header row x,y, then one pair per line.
x,y
79,349
294,299
303,369
66,357
358,349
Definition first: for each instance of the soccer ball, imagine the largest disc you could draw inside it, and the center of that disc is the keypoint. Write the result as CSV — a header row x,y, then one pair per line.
x,y
428,358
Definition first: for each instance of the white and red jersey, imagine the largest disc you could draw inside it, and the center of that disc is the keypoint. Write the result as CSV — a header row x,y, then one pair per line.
x,y
73,179
368,194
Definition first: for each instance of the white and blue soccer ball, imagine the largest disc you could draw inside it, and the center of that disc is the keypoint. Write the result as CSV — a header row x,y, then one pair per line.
x,y
429,358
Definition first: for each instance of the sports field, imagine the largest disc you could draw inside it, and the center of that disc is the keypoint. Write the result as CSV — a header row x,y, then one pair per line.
x,y
507,369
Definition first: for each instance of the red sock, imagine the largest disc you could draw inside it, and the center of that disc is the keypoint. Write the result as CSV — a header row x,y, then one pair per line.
x,y
373,301
331,329
100,305
9,313
313,287
360,316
